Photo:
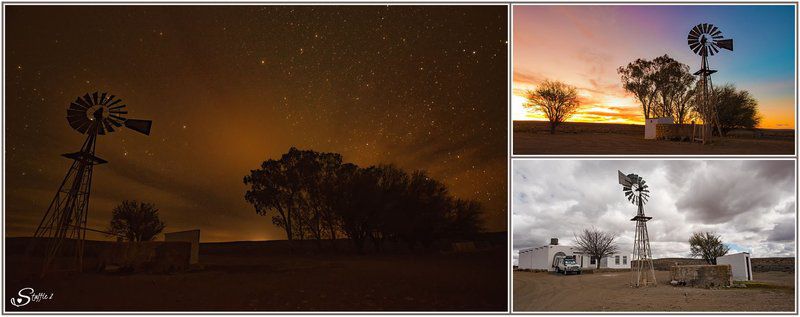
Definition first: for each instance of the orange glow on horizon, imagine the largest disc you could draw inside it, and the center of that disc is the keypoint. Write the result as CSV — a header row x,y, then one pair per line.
x,y
626,110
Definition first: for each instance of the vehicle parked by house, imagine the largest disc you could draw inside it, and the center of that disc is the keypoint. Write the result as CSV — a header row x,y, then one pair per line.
x,y
566,265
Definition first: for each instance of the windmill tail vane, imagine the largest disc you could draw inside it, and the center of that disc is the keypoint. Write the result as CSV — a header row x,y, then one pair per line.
x,y
64,222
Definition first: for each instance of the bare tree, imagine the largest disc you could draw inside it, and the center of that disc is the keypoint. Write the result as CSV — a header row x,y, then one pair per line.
x,y
557,100
708,246
136,221
597,244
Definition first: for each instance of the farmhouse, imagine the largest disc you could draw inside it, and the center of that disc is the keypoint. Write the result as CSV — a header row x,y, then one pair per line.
x,y
541,258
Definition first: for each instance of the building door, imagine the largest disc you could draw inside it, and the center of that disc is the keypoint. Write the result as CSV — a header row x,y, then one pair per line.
x,y
747,260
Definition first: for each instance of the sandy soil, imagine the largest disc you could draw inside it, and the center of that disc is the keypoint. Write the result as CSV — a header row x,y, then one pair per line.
x,y
620,139
610,292
234,281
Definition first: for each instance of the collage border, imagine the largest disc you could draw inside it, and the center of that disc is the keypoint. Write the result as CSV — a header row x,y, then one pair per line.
x,y
511,157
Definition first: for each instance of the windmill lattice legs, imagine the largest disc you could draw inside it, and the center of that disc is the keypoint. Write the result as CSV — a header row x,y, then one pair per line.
x,y
642,274
65,219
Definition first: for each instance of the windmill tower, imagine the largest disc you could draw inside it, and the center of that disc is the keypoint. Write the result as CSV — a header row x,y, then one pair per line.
x,y
705,40
635,189
63,226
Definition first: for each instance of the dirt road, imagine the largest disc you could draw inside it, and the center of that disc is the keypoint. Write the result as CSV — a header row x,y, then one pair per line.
x,y
610,292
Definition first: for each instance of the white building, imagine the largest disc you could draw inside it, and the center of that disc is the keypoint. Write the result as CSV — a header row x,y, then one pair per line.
x,y
741,267
191,236
541,258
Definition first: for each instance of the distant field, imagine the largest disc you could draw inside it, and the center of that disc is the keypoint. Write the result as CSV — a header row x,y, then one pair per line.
x,y
610,291
266,276
533,137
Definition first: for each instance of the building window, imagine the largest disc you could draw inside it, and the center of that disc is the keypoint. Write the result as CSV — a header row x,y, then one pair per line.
x,y
616,259
593,261
625,259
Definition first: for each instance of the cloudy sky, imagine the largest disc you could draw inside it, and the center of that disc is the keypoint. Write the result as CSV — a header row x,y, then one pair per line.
x,y
593,41
751,204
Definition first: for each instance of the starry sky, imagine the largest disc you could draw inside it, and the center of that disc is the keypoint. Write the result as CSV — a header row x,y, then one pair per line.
x,y
227,87
593,41
751,204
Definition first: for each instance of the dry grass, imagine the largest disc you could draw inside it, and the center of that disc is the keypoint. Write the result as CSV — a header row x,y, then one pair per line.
x,y
532,137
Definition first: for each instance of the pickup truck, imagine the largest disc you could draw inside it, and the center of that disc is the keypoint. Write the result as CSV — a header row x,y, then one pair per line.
x,y
566,265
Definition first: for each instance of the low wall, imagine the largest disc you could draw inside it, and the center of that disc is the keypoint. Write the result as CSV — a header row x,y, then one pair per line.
x,y
153,256
676,132
772,264
701,275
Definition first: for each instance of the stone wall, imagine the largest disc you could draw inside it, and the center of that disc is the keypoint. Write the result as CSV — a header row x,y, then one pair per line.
x,y
153,256
772,264
675,132
701,275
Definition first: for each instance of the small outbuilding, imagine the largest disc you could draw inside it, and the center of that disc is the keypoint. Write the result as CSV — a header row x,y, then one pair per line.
x,y
741,267
650,126
191,236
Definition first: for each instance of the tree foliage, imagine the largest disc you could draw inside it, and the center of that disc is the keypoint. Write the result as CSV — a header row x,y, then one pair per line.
x,y
663,86
637,78
597,244
736,109
136,221
707,246
558,101
313,195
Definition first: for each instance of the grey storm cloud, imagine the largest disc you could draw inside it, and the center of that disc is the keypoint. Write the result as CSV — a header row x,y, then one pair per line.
x,y
751,204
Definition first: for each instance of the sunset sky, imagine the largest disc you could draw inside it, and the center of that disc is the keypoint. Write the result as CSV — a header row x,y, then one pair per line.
x,y
584,45
228,87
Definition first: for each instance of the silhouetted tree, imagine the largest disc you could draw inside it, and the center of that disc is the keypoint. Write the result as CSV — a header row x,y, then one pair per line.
x,y
683,97
597,244
314,195
322,188
356,204
557,100
707,246
637,78
673,82
736,109
464,218
277,187
136,221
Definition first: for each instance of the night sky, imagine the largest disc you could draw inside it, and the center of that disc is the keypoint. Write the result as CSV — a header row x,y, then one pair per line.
x,y
228,87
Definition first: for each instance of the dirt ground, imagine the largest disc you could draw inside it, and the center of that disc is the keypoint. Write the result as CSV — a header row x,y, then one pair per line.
x,y
621,139
610,292
260,281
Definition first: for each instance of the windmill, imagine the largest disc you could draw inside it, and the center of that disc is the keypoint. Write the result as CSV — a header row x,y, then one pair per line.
x,y
637,192
65,218
706,40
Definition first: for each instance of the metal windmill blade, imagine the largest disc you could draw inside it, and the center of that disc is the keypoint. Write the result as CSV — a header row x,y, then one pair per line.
x,y
706,39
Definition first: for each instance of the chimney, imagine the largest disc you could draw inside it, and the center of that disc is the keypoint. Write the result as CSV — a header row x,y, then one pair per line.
x,y
553,241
